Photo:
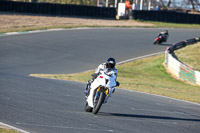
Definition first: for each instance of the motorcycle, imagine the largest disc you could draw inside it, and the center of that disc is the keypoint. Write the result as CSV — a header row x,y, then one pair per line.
x,y
159,39
100,90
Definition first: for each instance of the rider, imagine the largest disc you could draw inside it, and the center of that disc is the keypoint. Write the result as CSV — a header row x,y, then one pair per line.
x,y
109,64
164,35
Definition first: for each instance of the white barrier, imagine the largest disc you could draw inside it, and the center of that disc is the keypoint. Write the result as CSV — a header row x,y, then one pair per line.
x,y
174,65
197,77
178,69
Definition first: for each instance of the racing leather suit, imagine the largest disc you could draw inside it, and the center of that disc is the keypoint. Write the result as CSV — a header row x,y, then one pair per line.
x,y
164,35
101,67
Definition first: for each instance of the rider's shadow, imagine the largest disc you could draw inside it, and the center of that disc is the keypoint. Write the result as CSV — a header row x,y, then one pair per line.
x,y
165,44
120,115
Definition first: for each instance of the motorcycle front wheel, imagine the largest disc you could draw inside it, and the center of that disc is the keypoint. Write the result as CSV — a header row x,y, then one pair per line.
x,y
98,103
155,42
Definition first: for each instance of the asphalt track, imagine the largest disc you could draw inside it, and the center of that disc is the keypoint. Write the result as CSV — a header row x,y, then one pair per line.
x,y
53,106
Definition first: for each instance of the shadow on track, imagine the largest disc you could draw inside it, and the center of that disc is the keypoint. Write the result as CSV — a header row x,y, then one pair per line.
x,y
164,44
147,117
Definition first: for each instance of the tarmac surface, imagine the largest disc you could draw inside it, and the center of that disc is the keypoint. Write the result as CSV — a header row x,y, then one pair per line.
x,y
39,105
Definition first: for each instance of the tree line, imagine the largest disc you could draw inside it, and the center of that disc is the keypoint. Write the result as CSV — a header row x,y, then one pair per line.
x,y
77,2
164,4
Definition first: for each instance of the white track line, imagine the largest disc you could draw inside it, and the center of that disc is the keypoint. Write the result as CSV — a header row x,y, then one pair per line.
x,y
14,128
140,57
42,31
64,29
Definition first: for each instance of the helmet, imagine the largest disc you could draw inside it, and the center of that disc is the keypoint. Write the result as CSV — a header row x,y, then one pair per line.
x,y
110,62
166,32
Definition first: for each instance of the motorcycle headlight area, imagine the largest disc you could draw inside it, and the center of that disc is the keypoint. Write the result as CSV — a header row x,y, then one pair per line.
x,y
103,89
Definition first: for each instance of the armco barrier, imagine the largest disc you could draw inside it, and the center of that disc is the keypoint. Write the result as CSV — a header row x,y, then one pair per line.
x,y
166,16
177,68
58,9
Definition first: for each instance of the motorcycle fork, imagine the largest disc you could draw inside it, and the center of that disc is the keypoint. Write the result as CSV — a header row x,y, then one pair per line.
x,y
97,93
100,89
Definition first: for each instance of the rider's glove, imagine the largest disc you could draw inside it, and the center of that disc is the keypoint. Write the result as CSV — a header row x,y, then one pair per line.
x,y
117,83
94,75
90,81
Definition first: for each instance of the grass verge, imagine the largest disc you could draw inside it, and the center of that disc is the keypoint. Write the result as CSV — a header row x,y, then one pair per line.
x,y
190,56
23,29
145,75
5,130
171,25
151,25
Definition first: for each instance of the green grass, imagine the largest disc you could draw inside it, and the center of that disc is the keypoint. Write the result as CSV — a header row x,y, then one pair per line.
x,y
23,29
154,25
171,25
145,75
4,130
190,55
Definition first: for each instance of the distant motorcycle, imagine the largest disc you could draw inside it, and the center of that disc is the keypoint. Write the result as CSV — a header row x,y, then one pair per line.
x,y
103,86
160,39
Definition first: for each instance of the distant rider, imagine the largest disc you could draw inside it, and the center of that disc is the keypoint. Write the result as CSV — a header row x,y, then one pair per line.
x,y
109,64
164,35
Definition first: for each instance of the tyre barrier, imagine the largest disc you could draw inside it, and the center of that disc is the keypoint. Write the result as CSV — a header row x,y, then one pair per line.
x,y
166,16
177,68
58,9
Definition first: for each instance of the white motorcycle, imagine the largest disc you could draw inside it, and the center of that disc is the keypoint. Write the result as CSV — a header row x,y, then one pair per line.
x,y
100,90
